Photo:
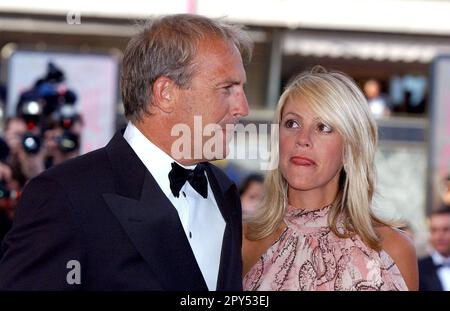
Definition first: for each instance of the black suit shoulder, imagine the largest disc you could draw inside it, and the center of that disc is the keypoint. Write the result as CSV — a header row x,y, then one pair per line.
x,y
42,241
81,172
62,216
428,278
426,264
46,232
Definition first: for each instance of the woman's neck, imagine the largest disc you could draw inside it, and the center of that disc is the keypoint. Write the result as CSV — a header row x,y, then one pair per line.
x,y
312,199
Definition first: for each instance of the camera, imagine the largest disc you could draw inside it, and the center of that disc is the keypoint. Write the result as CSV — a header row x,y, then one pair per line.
x,y
31,143
68,141
31,113
49,112
6,194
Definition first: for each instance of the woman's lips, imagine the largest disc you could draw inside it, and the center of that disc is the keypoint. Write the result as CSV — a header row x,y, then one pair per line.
x,y
302,161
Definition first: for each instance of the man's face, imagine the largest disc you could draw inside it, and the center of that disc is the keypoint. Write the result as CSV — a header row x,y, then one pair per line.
x,y
215,93
446,194
440,233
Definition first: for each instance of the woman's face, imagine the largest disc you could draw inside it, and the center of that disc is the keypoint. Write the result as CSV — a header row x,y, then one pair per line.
x,y
252,197
311,151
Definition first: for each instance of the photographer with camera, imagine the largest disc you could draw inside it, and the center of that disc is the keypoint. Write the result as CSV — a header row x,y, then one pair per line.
x,y
45,132
62,142
30,154
53,126
9,190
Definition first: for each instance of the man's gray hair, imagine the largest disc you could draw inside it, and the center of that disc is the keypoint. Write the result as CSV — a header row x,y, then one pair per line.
x,y
166,46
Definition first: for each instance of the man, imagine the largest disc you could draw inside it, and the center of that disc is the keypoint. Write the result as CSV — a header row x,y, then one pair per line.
x,y
128,216
434,270
377,102
446,192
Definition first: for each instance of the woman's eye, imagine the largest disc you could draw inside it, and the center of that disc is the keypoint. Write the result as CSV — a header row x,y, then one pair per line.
x,y
322,127
291,124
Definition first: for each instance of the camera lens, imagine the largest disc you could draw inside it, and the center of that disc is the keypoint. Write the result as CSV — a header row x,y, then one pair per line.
x,y
4,192
31,143
68,142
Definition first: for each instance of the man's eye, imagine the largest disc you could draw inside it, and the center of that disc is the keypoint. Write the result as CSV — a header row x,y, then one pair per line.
x,y
227,89
291,124
322,127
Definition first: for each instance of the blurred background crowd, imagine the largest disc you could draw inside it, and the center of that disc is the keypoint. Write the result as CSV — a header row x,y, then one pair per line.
x,y
59,92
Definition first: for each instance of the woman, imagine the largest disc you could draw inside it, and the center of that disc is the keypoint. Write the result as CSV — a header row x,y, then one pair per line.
x,y
251,193
315,229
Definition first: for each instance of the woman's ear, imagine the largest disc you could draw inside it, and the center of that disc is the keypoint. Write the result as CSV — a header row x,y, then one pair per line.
x,y
163,94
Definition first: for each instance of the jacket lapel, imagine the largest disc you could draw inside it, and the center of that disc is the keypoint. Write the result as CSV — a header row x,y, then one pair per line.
x,y
151,221
222,190
433,277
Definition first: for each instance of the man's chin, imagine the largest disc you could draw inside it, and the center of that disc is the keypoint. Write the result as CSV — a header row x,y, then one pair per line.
x,y
218,155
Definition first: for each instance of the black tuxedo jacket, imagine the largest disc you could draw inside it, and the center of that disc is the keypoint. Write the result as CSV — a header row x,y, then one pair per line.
x,y
105,210
428,278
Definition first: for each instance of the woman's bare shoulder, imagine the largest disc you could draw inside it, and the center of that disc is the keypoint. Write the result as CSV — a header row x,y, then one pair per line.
x,y
395,242
401,249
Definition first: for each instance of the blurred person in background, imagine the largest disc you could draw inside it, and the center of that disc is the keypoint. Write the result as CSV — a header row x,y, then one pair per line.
x,y
47,127
10,188
129,215
5,177
2,107
251,192
378,103
62,140
434,270
25,165
446,191
21,160
316,229
53,124
15,129
8,199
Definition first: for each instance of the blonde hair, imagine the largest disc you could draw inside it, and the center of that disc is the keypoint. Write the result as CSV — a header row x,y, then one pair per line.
x,y
338,101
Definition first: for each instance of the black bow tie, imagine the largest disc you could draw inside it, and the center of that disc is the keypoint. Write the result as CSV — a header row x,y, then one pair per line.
x,y
196,177
443,265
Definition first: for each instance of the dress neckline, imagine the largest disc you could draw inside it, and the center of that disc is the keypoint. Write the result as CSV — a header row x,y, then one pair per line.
x,y
298,210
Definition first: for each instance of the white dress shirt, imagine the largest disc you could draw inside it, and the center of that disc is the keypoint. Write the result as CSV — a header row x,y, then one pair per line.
x,y
442,272
201,218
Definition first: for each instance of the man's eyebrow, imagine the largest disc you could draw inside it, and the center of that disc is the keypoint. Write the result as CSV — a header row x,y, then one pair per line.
x,y
230,82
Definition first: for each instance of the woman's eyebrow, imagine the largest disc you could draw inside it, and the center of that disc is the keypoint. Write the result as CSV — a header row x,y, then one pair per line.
x,y
293,113
315,119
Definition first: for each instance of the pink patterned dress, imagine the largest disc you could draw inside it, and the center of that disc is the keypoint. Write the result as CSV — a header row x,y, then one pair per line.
x,y
309,256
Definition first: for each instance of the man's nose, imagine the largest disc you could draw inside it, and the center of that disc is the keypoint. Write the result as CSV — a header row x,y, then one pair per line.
x,y
240,108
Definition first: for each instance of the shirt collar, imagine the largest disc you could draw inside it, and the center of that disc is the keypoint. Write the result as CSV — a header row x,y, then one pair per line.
x,y
438,259
158,163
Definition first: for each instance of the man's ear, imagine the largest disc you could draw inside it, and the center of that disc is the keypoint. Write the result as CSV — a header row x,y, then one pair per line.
x,y
164,93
